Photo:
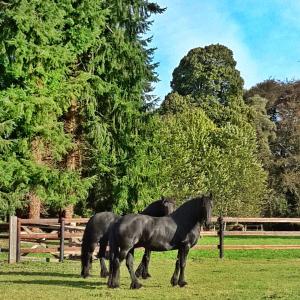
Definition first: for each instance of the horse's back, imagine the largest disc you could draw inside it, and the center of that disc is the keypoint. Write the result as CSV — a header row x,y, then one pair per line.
x,y
99,225
145,231
131,226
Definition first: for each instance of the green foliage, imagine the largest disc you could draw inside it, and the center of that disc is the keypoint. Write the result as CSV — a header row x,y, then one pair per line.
x,y
208,74
199,157
118,128
89,53
265,128
210,144
282,161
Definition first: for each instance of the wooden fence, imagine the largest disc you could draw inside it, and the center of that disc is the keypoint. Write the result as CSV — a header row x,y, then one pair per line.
x,y
52,235
49,235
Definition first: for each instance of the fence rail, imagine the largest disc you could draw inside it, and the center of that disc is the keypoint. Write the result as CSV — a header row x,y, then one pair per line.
x,y
71,230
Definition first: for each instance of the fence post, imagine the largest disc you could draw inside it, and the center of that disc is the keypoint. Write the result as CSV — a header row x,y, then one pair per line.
x,y
18,240
62,239
221,236
12,257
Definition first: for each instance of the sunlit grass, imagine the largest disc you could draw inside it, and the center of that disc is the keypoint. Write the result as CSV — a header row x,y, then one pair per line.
x,y
242,274
208,278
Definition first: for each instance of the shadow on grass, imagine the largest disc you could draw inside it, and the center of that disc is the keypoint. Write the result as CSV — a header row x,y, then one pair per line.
x,y
55,274
82,284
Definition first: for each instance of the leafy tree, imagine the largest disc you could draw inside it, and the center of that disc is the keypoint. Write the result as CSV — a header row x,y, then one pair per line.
x,y
283,108
208,74
198,157
264,126
34,97
226,160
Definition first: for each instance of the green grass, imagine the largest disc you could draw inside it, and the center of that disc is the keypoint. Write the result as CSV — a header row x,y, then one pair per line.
x,y
242,274
208,278
251,240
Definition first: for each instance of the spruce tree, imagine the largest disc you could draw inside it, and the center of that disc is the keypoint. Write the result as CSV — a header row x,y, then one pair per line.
x,y
74,80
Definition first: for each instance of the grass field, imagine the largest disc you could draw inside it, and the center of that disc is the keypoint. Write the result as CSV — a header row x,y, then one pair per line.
x,y
252,274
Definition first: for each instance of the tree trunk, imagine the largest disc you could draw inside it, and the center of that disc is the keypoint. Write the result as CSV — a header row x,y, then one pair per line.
x,y
71,161
34,200
34,206
68,211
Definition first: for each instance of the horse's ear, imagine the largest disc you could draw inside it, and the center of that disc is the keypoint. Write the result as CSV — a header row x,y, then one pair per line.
x,y
163,199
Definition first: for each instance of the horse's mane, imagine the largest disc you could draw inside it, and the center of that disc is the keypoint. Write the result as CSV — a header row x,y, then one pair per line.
x,y
157,205
189,210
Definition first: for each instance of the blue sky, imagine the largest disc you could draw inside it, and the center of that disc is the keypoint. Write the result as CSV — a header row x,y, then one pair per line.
x,y
264,36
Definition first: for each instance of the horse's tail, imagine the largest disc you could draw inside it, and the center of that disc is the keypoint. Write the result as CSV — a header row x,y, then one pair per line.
x,y
89,243
113,254
113,243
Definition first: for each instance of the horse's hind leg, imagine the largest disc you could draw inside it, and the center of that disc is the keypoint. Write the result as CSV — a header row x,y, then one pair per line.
x,y
114,265
146,260
141,268
129,263
174,278
111,258
114,276
101,255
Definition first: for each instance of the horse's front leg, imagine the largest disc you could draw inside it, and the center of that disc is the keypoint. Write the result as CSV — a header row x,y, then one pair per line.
x,y
101,255
87,259
145,273
174,278
129,263
182,262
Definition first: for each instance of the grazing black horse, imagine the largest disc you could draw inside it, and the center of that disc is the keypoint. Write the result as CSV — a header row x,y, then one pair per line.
x,y
97,231
180,230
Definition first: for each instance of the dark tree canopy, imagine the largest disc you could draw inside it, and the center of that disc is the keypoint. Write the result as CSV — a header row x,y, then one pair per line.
x,y
282,102
208,72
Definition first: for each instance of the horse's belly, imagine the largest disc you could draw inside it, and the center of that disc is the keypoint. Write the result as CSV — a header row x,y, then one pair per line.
x,y
160,247
156,244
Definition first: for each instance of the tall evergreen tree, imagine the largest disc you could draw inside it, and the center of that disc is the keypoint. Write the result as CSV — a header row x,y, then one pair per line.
x,y
33,74
72,79
119,126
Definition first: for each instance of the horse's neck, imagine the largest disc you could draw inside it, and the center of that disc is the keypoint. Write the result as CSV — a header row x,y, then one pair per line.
x,y
154,209
187,215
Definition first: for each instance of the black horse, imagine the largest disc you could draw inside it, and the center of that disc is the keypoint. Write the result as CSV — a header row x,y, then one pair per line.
x,y
180,230
97,231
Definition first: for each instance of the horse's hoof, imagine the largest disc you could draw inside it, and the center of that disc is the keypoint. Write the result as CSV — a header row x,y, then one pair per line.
x,y
112,285
84,275
182,283
135,285
174,281
146,275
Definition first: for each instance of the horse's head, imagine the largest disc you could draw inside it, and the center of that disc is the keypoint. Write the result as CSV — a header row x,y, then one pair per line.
x,y
169,205
206,209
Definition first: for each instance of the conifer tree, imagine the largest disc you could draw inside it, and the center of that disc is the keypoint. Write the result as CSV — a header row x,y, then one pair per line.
x,y
73,89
